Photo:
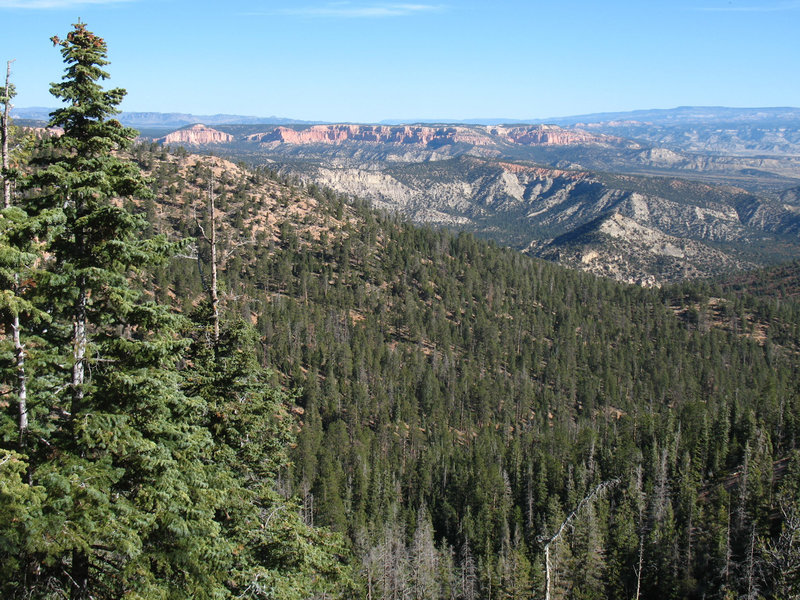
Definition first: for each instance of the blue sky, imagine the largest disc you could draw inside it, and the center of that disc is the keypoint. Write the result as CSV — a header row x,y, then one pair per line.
x,y
365,61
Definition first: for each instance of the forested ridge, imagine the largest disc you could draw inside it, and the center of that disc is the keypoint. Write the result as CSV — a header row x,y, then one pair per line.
x,y
425,406
460,399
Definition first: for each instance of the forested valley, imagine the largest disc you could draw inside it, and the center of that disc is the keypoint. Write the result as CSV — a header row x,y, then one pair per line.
x,y
282,393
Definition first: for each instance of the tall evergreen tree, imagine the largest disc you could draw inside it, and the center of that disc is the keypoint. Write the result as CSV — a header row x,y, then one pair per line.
x,y
13,258
127,495
276,555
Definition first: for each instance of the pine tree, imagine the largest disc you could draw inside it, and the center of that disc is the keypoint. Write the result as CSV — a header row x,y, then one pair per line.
x,y
515,570
127,494
15,260
277,555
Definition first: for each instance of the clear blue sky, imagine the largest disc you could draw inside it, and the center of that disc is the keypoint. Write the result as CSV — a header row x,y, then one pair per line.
x,y
369,60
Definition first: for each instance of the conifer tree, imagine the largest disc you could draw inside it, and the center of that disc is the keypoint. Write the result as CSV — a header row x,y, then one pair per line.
x,y
277,554
18,259
13,258
121,474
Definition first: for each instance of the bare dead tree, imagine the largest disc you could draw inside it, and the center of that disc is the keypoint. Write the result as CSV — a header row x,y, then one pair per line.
x,y
211,240
212,214
641,532
780,569
216,262
22,382
598,490
468,574
7,95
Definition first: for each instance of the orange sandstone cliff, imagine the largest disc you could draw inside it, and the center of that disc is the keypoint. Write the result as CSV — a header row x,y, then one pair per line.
x,y
422,135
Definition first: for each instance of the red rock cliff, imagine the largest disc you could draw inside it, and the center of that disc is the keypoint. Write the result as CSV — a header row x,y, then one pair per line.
x,y
419,135
549,135
336,134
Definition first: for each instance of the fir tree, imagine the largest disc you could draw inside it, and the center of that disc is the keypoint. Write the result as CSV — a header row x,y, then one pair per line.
x,y
276,555
126,496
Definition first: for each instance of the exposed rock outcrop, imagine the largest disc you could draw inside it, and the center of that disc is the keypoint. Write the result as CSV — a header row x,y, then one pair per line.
x,y
196,135
617,246
381,134
551,135
648,231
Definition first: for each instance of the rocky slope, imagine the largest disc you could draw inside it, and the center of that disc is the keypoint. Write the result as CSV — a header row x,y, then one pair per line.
x,y
617,246
645,230
254,206
490,180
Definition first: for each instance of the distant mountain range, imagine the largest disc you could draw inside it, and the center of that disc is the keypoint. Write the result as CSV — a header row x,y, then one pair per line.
x,y
424,141
167,120
698,129
667,116
715,130
550,190
657,116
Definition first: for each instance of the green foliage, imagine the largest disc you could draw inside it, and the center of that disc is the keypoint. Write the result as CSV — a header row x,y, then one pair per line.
x,y
276,554
442,372
20,515
139,477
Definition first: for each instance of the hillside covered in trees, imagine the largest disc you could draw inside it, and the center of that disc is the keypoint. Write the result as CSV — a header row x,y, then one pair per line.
x,y
458,400
288,394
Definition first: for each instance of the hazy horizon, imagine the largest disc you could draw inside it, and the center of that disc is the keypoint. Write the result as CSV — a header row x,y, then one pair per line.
x,y
269,119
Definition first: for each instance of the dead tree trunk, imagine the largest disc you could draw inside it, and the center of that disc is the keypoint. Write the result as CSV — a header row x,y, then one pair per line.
x,y
639,566
589,497
8,93
211,239
640,506
22,386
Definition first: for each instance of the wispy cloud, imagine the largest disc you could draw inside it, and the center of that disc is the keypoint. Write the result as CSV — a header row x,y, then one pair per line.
x,y
40,4
733,6
351,10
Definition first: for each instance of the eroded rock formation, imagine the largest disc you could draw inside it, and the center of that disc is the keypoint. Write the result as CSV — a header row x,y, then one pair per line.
x,y
196,135
421,135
